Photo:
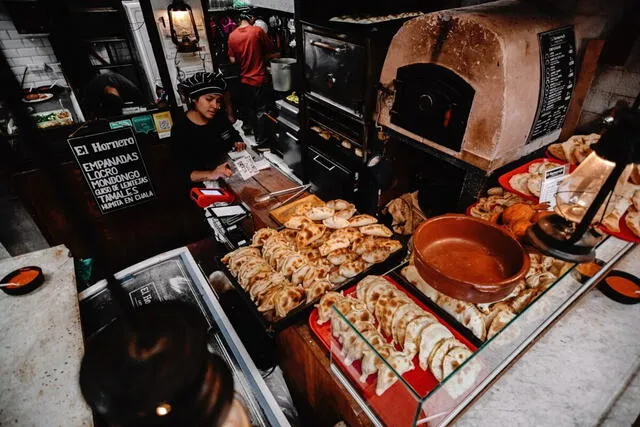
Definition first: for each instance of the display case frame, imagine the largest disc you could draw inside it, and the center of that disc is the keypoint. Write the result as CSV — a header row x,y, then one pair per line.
x,y
493,357
193,287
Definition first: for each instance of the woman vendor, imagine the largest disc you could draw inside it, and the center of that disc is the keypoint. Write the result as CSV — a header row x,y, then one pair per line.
x,y
204,136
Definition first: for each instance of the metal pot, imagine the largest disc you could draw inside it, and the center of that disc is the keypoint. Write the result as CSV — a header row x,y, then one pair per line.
x,y
281,73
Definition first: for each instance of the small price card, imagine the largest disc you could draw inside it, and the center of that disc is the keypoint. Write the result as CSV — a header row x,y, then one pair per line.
x,y
245,166
550,182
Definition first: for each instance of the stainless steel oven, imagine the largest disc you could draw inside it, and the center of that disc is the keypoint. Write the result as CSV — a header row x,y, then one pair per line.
x,y
335,71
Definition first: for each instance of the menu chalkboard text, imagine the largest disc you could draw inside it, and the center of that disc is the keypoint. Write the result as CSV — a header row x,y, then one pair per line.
x,y
557,78
113,168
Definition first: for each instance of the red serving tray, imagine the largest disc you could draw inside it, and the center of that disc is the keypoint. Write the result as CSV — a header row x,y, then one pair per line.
x,y
625,232
396,402
504,179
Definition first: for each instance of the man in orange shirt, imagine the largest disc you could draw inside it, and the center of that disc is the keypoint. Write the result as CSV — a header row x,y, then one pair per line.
x,y
250,47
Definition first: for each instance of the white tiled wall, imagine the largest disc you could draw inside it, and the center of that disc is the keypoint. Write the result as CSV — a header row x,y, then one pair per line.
x,y
612,84
24,50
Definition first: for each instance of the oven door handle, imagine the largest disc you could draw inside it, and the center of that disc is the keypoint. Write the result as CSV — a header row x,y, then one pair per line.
x,y
329,168
328,46
291,136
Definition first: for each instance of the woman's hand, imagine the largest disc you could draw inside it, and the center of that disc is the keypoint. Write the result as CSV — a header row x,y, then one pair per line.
x,y
239,146
222,171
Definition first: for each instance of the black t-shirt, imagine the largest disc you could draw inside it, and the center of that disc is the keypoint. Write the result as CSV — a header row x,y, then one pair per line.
x,y
203,147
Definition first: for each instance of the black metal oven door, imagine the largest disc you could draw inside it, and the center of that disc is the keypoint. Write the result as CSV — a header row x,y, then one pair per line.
x,y
329,180
433,102
335,70
290,147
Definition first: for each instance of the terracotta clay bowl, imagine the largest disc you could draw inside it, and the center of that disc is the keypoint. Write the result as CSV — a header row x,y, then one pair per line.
x,y
468,258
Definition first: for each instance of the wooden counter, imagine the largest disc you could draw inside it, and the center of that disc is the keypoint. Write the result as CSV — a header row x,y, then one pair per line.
x,y
266,181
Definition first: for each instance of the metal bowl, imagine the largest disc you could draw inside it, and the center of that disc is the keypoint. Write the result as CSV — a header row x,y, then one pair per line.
x,y
468,258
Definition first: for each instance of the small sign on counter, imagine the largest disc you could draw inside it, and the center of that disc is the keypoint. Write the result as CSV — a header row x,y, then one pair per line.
x,y
550,183
113,168
245,165
143,124
163,124
120,124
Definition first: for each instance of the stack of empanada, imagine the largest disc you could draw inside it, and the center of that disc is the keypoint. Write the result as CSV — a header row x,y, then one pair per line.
x,y
381,310
414,329
269,289
319,248
530,182
575,149
485,320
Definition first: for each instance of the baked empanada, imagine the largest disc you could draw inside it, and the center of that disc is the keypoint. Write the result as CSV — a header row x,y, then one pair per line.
x,y
346,213
333,245
261,235
297,222
319,213
353,268
341,256
287,299
429,339
309,234
362,220
338,204
318,288
376,230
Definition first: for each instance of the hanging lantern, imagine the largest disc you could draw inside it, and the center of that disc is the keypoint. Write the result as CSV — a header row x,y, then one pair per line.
x,y
184,32
590,193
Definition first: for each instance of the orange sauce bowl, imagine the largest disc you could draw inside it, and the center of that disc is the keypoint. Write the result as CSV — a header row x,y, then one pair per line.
x,y
468,258
23,280
621,287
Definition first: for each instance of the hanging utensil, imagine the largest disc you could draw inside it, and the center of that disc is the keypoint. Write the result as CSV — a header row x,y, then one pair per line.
x,y
270,196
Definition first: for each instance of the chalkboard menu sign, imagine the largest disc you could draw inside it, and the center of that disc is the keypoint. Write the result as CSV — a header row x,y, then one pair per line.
x,y
557,78
113,168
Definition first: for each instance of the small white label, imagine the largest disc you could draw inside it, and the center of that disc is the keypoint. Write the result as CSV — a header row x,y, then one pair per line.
x,y
246,166
550,182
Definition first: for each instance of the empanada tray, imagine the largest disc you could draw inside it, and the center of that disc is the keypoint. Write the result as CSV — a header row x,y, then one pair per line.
x,y
395,401
504,179
273,325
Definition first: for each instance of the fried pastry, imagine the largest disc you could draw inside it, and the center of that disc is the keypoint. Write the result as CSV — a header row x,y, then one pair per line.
x,y
386,377
287,299
346,213
261,235
353,268
324,306
309,234
413,333
429,339
350,233
362,220
338,204
297,222
319,213
453,359
317,289
298,276
341,256
335,222
336,277
333,245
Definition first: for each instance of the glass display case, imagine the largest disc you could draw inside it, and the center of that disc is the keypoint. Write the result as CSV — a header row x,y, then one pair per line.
x,y
415,397
171,276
